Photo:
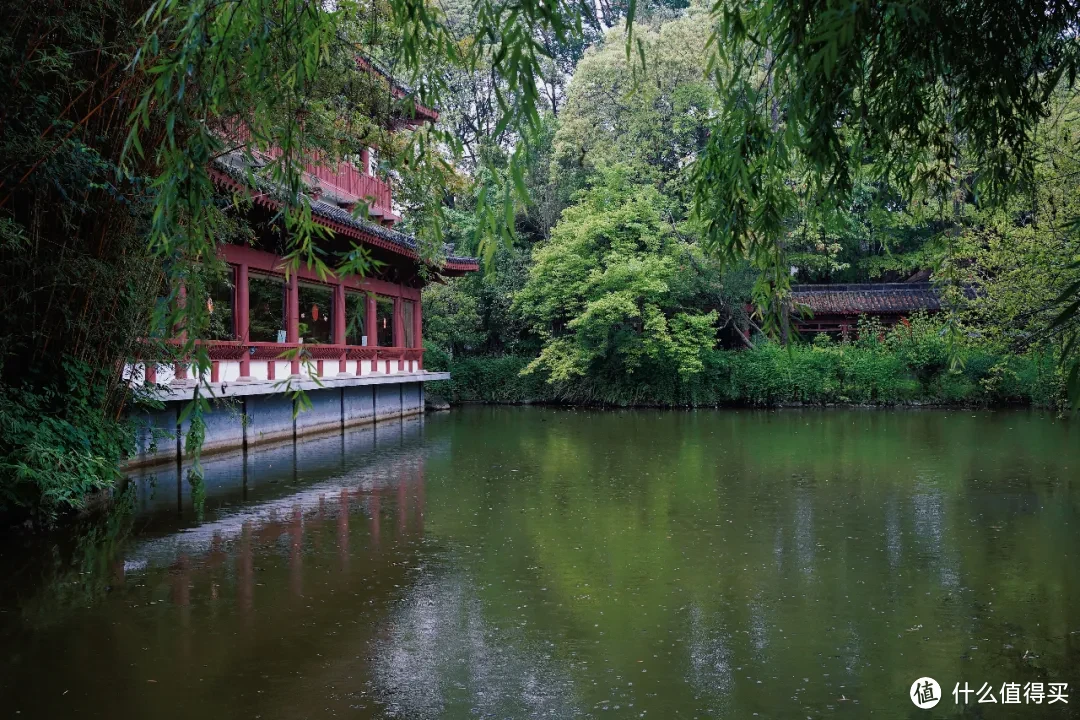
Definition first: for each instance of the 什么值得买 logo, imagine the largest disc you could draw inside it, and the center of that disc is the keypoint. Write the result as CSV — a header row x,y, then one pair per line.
x,y
925,693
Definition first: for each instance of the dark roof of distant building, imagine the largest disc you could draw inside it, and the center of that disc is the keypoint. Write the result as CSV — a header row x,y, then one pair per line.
x,y
341,220
866,298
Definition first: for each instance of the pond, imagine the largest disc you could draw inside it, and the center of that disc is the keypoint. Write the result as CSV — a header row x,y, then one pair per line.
x,y
532,562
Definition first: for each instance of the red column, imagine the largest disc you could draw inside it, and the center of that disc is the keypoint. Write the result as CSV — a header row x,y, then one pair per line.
x,y
418,325
399,326
243,316
365,160
418,330
369,322
399,330
339,314
340,322
292,328
181,330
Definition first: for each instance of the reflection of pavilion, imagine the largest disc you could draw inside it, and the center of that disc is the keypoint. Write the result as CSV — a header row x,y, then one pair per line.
x,y
259,583
226,543
368,464
328,590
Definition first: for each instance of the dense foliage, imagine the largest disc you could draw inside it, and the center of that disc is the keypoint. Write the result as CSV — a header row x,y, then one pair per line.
x,y
612,294
76,280
907,366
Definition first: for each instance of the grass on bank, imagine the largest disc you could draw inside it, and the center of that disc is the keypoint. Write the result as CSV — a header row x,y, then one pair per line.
x,y
911,364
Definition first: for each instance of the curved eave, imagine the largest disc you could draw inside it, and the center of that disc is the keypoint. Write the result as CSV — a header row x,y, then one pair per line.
x,y
456,267
425,112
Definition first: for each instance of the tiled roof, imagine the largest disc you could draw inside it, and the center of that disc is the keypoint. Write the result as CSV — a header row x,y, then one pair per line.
x,y
341,220
870,298
398,239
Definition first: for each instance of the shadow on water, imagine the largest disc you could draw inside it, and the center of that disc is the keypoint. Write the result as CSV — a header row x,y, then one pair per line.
x,y
167,502
531,562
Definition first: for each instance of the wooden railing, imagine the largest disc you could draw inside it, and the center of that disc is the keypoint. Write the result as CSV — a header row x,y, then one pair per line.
x,y
384,360
350,181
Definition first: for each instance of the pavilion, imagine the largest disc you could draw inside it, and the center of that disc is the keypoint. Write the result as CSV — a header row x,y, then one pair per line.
x,y
352,344
837,308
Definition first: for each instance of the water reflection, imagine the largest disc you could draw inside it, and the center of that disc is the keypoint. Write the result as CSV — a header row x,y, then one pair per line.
x,y
442,653
542,563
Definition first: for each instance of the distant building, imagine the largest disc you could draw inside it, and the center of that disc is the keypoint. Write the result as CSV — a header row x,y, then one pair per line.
x,y
837,308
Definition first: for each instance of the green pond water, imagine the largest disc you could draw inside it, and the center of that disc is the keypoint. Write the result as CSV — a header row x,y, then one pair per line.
x,y
548,563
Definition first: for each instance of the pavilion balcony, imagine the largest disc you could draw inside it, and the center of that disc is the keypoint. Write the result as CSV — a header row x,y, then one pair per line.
x,y
347,187
267,329
262,367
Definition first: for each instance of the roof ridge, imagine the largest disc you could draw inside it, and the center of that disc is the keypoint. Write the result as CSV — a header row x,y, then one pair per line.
x,y
862,287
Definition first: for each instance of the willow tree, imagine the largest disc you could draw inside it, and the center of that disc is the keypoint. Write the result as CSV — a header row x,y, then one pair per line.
x,y
115,113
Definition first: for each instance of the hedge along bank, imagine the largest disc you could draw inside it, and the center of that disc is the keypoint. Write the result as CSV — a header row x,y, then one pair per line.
x,y
911,365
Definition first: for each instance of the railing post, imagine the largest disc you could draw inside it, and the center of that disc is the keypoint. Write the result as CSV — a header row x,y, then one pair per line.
x,y
372,332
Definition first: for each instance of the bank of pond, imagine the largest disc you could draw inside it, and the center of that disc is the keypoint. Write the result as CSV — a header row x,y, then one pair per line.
x,y
822,373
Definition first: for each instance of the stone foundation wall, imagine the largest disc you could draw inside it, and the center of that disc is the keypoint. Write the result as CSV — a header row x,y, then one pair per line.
x,y
246,421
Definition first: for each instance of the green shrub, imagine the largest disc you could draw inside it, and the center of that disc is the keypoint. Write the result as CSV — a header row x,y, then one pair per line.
x,y
497,379
435,358
884,371
58,442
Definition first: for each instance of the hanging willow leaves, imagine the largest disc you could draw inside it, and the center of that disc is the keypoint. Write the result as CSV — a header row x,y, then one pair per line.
x,y
264,78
